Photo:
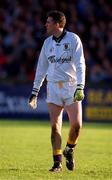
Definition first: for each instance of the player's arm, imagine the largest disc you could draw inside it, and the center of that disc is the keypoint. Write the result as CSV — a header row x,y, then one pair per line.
x,y
40,75
80,70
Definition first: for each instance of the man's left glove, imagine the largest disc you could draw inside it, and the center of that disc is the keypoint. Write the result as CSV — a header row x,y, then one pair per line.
x,y
79,93
33,99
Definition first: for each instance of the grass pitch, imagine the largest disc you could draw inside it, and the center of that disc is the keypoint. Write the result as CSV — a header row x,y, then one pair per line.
x,y
26,154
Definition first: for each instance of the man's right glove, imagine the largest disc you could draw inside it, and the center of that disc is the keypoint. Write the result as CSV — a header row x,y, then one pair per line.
x,y
79,93
33,99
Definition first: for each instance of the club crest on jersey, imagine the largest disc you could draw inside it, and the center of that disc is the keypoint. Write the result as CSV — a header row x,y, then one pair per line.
x,y
66,46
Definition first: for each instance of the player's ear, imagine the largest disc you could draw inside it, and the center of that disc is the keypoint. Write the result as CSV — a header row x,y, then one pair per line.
x,y
57,25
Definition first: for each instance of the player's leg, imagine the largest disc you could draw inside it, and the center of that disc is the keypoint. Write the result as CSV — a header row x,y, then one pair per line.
x,y
55,112
74,112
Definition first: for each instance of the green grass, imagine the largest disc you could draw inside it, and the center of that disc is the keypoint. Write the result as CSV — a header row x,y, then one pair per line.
x,y
25,152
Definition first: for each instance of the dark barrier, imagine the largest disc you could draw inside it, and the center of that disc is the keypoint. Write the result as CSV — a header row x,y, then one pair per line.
x,y
97,105
14,102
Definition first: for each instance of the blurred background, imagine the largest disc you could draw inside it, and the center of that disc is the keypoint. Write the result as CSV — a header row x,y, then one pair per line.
x,y
22,33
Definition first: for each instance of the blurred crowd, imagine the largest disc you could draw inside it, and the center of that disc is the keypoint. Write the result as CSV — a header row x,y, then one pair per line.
x,y
22,33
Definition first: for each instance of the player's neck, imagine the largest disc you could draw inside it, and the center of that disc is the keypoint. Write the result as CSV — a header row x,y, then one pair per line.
x,y
58,32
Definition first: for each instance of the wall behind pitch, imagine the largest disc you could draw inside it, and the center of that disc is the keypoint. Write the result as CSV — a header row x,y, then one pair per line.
x,y
14,102
97,105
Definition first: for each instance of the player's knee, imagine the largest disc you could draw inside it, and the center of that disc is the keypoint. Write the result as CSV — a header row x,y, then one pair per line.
x,y
77,126
54,128
55,133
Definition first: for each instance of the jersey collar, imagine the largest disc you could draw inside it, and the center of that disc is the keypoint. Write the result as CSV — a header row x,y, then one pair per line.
x,y
60,37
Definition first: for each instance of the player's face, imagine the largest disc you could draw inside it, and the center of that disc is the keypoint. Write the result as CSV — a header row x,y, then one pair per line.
x,y
50,26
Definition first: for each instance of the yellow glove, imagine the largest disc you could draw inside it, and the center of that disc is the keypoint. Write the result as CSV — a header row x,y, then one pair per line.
x,y
79,93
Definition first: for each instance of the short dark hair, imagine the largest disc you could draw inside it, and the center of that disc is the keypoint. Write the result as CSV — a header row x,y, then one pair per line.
x,y
58,17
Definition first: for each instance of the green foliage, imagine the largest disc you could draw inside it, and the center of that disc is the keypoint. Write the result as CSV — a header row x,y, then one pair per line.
x,y
26,154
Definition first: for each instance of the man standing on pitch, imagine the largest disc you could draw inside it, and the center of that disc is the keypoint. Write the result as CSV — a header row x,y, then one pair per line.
x,y
62,61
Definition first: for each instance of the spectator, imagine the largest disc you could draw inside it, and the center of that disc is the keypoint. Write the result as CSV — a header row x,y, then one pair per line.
x,y
21,30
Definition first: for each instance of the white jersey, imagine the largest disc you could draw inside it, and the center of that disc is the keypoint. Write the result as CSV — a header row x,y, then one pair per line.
x,y
61,61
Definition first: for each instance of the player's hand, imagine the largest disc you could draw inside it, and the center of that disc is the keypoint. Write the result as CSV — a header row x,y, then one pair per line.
x,y
79,94
33,101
